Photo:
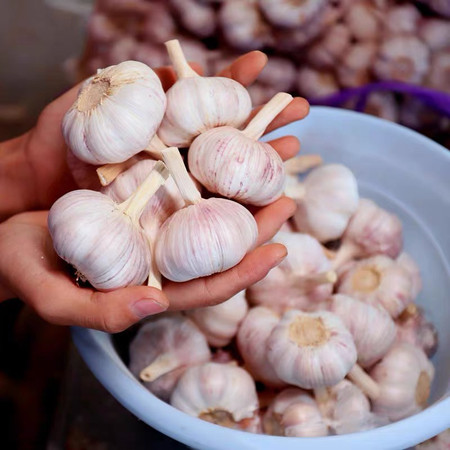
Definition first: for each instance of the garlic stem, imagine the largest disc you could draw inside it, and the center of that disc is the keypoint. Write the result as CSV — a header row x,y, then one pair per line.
x,y
109,172
154,276
309,282
302,163
178,60
330,254
295,191
164,363
364,382
175,164
256,127
345,253
322,397
134,206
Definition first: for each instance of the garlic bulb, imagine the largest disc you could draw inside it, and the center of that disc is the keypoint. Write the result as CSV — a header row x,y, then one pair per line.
x,y
379,281
162,350
206,236
197,17
103,240
325,201
435,33
196,104
402,19
279,73
371,230
251,341
219,393
363,21
313,83
406,261
437,77
311,350
372,328
220,323
116,114
235,164
302,280
404,376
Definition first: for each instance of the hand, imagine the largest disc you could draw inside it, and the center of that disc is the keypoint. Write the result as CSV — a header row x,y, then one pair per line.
x,y
30,269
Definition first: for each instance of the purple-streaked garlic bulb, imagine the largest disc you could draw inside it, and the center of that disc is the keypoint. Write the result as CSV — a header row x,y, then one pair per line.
x,y
162,350
379,281
414,328
251,341
116,114
204,237
220,323
234,164
372,328
84,174
404,376
197,17
402,19
326,201
223,394
294,412
102,239
313,83
371,231
363,20
402,58
302,280
406,261
311,350
196,104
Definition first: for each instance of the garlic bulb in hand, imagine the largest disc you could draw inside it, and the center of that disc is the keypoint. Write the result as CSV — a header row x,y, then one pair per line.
x,y
404,376
220,323
371,231
205,237
379,281
326,201
162,350
223,394
372,328
235,164
302,280
196,104
103,240
116,114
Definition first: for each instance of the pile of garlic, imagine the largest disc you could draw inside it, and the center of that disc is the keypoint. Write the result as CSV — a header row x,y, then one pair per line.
x,y
329,342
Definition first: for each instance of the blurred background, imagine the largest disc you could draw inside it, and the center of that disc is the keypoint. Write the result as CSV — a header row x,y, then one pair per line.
x,y
384,57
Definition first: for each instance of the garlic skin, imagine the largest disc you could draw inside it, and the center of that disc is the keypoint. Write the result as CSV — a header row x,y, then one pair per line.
x,y
373,330
251,340
171,343
404,376
116,114
220,323
196,104
291,284
379,281
311,350
211,390
406,261
329,201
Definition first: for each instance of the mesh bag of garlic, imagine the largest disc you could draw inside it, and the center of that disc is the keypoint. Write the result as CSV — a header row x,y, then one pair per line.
x,y
319,49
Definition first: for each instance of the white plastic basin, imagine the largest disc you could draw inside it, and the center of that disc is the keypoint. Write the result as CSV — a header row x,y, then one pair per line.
x,y
405,173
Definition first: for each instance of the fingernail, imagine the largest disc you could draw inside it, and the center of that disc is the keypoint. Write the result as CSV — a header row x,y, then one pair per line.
x,y
146,307
281,255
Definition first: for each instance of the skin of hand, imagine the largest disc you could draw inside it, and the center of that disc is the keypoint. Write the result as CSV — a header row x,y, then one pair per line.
x,y
34,173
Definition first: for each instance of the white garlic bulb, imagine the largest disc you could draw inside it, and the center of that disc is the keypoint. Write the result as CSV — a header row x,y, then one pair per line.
x,y
196,104
372,328
326,201
206,236
370,231
197,17
220,323
220,393
162,350
379,281
313,83
404,376
116,113
363,21
302,280
402,19
252,344
235,164
406,261
311,350
103,240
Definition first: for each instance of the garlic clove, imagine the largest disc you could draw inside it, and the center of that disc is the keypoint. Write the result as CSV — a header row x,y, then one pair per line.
x,y
116,113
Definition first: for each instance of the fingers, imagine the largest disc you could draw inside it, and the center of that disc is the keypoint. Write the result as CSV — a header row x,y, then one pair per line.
x,y
168,77
286,146
220,287
246,68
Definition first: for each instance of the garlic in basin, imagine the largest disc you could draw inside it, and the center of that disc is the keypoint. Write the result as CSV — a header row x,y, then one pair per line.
x,y
235,164
196,104
204,237
103,240
116,114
